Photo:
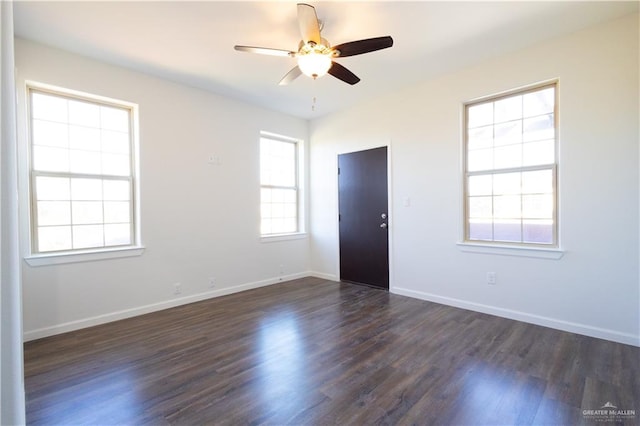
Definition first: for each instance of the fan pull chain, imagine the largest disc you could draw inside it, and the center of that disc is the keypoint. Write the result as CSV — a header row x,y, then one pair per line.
x,y
314,100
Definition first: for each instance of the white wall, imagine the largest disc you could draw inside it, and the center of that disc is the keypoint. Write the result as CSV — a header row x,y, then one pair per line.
x,y
198,220
594,288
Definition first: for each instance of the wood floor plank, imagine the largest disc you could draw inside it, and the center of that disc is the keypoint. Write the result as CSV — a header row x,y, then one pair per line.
x,y
312,351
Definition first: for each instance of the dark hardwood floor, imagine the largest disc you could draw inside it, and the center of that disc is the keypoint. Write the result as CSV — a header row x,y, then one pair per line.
x,y
317,352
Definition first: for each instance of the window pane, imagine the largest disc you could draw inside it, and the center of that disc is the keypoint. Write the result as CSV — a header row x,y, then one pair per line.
x,y
117,212
118,234
86,236
115,142
265,195
54,238
279,215
115,165
86,189
537,182
480,207
265,175
538,231
265,211
48,159
84,138
277,163
290,197
508,109
47,133
507,231
480,229
50,108
277,225
87,212
88,162
286,175
282,195
508,133
507,157
53,188
507,183
116,190
507,206
54,213
84,113
277,210
289,225
538,153
480,159
279,195
265,161
537,206
480,115
480,137
290,210
114,119
538,128
265,226
480,185
539,102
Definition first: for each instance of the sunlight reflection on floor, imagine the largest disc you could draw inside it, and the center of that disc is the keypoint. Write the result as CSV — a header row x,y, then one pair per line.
x,y
283,364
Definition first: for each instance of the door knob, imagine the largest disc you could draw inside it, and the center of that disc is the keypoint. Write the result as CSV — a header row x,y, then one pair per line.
x,y
383,215
383,225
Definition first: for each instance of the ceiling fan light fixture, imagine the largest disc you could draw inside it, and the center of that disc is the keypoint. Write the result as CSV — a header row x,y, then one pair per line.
x,y
314,64
315,55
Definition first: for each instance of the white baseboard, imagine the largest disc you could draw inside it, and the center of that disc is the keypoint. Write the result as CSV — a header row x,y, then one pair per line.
x,y
587,330
330,277
141,310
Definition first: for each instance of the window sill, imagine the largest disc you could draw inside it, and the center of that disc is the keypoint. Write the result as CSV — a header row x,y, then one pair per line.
x,y
85,256
506,250
283,237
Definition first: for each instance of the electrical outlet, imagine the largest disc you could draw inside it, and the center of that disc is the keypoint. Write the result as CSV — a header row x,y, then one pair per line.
x,y
491,278
212,282
177,288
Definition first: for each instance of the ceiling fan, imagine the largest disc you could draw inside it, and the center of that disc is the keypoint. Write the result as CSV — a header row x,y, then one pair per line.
x,y
315,55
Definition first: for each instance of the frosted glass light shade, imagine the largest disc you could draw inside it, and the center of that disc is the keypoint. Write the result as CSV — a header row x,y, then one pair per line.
x,y
314,65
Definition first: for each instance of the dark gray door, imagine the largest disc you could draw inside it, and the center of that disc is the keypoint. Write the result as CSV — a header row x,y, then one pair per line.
x,y
363,203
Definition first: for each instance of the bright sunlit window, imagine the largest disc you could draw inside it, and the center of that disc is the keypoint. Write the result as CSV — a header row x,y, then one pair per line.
x,y
82,173
279,190
511,168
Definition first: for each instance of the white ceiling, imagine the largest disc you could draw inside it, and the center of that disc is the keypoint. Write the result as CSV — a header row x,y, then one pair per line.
x,y
192,42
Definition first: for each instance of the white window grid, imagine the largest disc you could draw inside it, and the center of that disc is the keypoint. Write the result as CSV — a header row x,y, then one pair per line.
x,y
494,172
105,179
279,195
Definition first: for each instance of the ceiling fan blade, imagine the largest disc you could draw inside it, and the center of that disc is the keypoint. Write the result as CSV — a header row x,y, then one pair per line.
x,y
363,46
308,21
290,76
341,73
265,51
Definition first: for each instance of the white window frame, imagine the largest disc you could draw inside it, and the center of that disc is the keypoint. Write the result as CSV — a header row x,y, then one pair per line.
x,y
36,258
528,249
299,187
